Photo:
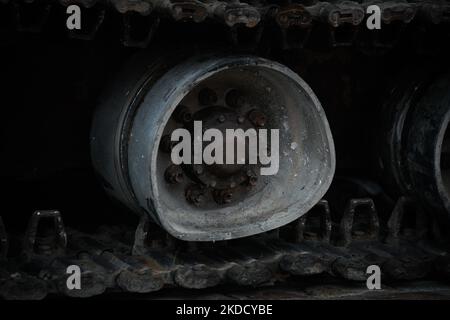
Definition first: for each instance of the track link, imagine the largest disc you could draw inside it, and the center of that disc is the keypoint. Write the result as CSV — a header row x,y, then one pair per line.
x,y
140,19
111,260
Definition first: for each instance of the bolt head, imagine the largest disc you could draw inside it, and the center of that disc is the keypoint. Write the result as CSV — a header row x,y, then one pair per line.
x,y
252,181
194,194
257,118
199,170
173,174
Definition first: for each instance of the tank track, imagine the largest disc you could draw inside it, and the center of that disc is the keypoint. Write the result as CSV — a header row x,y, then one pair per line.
x,y
119,259
296,21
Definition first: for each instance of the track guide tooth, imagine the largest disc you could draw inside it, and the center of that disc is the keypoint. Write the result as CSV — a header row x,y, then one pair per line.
x,y
338,14
59,242
235,13
395,221
295,23
293,15
347,225
141,236
142,242
321,211
183,10
403,12
397,227
138,6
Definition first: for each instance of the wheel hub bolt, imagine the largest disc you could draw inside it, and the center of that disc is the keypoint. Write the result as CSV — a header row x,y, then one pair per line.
x,y
240,119
223,196
222,118
257,118
198,169
252,179
195,195
207,97
173,174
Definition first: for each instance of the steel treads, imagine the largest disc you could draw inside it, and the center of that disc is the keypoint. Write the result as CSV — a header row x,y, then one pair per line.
x,y
107,263
240,13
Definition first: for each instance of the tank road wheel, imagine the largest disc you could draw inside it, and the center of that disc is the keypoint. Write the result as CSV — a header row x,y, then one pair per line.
x,y
132,145
418,143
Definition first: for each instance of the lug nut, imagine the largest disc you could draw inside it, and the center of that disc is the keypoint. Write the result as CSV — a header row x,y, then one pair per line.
x,y
207,97
252,179
223,196
182,114
166,144
240,119
195,194
257,118
198,169
173,174
221,118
